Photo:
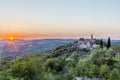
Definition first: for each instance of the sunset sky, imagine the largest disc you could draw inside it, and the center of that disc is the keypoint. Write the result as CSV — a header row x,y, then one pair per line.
x,y
60,18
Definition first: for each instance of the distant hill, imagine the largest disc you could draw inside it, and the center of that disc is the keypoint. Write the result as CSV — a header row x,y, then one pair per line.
x,y
114,41
58,45
29,46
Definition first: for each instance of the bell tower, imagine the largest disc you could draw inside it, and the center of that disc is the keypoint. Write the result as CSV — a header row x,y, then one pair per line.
x,y
91,40
91,37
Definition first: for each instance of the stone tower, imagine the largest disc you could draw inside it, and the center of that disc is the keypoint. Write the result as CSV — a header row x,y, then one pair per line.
x,y
91,40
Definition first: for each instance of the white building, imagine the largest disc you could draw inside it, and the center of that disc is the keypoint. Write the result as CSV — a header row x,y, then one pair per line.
x,y
86,43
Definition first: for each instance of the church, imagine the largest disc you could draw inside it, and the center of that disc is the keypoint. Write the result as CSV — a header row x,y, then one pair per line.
x,y
86,43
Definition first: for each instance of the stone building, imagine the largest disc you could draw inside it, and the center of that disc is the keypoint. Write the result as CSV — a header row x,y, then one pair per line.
x,y
86,43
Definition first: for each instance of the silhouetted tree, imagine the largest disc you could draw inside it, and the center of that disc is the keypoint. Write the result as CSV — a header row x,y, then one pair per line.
x,y
108,43
101,43
81,39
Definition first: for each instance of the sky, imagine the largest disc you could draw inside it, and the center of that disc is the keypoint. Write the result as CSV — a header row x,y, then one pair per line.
x,y
60,18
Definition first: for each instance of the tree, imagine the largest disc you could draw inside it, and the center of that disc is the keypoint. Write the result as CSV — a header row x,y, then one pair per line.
x,y
54,65
101,43
113,75
81,39
104,69
23,70
108,43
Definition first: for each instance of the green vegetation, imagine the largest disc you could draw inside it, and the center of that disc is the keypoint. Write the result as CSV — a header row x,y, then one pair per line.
x,y
63,63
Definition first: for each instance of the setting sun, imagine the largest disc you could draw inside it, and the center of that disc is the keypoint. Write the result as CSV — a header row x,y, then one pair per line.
x,y
11,38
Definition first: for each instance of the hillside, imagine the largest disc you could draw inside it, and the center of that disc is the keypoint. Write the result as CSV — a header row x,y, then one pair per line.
x,y
64,63
81,46
21,47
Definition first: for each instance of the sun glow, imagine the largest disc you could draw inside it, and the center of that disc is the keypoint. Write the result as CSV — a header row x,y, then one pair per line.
x,y
11,38
11,46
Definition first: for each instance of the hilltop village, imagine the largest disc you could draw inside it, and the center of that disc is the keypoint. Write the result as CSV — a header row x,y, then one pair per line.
x,y
82,43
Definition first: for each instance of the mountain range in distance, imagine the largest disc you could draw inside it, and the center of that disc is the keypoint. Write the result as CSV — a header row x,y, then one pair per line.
x,y
19,47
